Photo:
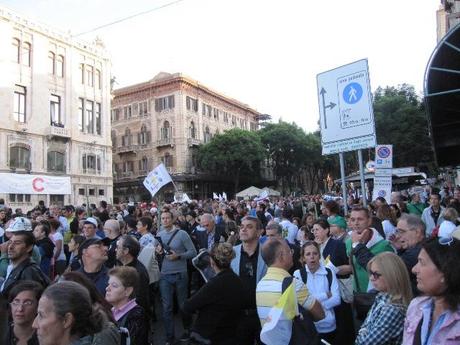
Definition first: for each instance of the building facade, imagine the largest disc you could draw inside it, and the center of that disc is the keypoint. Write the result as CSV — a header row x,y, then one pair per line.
x,y
164,120
447,17
54,110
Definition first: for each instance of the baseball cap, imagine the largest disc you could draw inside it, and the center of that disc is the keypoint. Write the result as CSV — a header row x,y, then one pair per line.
x,y
88,243
91,220
20,224
338,221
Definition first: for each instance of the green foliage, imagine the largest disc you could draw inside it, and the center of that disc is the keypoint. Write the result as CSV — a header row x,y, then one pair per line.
x,y
400,120
234,152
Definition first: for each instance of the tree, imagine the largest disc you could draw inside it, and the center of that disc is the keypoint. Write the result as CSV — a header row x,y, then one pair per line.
x,y
231,154
400,120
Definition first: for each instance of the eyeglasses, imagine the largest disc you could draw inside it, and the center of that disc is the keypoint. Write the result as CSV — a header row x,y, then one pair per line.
x,y
375,275
17,304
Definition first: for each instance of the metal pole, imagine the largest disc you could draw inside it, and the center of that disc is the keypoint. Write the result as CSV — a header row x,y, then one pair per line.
x,y
344,187
361,175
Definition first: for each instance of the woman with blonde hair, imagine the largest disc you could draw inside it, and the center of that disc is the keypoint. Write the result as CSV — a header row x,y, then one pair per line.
x,y
384,323
448,226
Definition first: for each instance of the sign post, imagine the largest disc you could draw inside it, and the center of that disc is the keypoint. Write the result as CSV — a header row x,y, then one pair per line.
x,y
344,186
383,172
345,107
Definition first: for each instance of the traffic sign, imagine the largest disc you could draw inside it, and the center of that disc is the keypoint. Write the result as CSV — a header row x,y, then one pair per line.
x,y
345,105
384,156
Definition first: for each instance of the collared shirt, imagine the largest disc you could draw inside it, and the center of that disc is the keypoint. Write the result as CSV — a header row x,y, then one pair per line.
x,y
384,323
248,274
118,313
211,239
427,336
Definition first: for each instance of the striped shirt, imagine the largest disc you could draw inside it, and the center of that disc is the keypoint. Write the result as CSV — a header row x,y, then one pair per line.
x,y
269,291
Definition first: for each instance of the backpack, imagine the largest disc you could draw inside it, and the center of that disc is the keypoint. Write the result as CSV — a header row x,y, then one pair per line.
x,y
303,329
304,275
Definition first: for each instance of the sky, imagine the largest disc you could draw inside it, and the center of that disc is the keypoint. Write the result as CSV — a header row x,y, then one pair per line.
x,y
264,53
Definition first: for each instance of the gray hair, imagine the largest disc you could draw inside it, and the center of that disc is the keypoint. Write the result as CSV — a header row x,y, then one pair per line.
x,y
413,222
274,226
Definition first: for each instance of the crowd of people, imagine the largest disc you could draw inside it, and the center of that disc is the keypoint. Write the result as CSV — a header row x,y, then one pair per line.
x,y
384,274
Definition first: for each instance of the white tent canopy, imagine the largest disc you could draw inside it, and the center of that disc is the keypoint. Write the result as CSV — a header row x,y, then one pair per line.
x,y
272,192
249,192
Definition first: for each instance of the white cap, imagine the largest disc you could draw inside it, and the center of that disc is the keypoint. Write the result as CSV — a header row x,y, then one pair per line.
x,y
91,220
20,224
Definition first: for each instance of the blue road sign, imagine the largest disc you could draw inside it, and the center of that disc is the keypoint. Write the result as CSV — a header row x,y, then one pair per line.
x,y
352,93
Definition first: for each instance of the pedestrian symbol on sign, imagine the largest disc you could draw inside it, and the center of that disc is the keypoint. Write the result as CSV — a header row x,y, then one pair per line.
x,y
352,93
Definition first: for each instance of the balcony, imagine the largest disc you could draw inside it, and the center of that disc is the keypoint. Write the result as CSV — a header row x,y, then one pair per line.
x,y
127,149
58,130
193,142
165,142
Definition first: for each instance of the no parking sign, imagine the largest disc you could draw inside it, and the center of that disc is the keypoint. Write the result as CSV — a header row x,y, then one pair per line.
x,y
384,156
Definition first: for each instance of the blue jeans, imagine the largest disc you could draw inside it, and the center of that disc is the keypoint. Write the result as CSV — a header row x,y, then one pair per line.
x,y
168,282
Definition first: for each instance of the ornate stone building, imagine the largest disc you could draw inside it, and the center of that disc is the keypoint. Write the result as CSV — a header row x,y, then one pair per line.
x,y
54,111
164,120
447,17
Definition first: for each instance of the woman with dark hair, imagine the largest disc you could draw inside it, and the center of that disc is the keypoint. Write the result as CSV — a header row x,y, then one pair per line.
x,y
75,260
66,316
109,334
435,317
123,281
60,261
219,302
23,299
388,219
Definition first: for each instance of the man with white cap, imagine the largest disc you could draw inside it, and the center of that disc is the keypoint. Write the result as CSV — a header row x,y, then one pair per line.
x,y
20,246
90,228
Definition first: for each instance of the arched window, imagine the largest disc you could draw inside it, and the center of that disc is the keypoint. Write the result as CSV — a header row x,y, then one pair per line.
x,y
143,164
16,50
19,157
207,135
51,63
126,139
165,131
167,160
192,130
144,136
26,54
60,66
56,161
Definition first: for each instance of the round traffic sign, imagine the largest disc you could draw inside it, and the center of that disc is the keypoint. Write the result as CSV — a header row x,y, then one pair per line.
x,y
352,93
383,152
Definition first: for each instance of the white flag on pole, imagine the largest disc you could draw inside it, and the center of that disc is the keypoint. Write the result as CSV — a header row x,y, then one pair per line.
x,y
156,179
214,196
224,195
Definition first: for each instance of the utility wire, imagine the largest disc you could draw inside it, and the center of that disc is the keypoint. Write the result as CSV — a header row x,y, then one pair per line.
x,y
129,17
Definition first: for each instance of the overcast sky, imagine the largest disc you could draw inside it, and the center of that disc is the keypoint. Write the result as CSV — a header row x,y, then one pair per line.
x,y
265,53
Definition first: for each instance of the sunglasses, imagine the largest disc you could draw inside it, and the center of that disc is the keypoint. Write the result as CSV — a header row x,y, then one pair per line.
x,y
375,275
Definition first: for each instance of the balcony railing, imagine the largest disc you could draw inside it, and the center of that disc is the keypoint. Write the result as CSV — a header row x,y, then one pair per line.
x,y
193,142
165,142
127,149
58,131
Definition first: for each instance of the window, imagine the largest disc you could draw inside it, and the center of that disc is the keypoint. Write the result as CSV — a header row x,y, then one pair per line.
x,y
101,192
98,79
253,126
56,161
144,136
165,131
98,118
233,120
82,73
164,103
143,164
91,192
216,113
16,50
192,104
19,197
115,115
51,63
126,139
19,157
55,110
127,111
143,108
60,66
167,160
89,75
192,130
81,115
225,117
91,164
114,138
128,167
206,110
26,54
81,191
207,135
89,116
21,52
19,110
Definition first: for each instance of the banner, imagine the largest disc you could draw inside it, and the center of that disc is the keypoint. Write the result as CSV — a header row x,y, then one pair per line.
x,y
34,184
156,179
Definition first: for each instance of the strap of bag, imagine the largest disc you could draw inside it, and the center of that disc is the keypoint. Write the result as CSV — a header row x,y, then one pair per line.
x,y
286,282
355,277
172,236
418,334
304,276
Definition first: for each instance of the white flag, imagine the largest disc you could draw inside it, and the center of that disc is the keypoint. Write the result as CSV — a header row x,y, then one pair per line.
x,y
214,196
224,195
156,179
263,195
